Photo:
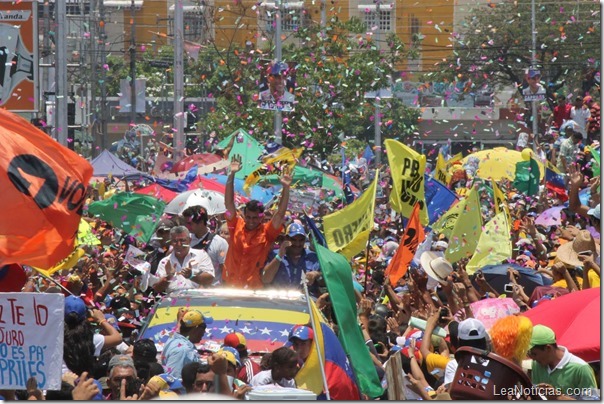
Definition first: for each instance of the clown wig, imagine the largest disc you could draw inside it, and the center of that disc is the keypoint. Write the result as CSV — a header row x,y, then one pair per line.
x,y
511,336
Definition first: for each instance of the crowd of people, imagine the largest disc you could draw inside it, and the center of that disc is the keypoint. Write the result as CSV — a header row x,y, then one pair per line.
x,y
256,246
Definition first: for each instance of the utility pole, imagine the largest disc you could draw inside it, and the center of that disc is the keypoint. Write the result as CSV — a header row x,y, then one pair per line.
x,y
93,75
102,39
133,65
323,18
377,129
278,49
534,66
179,116
61,93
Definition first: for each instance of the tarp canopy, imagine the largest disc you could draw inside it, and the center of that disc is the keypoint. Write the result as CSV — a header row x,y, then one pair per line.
x,y
247,147
107,163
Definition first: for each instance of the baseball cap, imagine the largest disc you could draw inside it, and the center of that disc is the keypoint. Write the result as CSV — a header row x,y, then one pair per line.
x,y
231,355
471,329
296,229
542,335
534,73
165,224
123,361
301,332
595,212
235,340
193,318
73,304
167,382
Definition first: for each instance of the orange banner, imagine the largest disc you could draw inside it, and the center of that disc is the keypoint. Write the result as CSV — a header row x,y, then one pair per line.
x,y
43,186
19,55
411,238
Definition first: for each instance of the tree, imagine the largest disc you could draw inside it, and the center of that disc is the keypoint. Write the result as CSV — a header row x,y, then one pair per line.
x,y
493,46
333,72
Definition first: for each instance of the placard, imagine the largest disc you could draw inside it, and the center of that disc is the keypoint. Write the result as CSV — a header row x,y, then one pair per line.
x,y
31,339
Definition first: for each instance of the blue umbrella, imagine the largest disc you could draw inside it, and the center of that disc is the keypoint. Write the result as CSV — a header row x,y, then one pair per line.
x,y
257,192
497,277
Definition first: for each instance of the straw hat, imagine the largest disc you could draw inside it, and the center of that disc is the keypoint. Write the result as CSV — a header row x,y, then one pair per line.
x,y
568,253
437,267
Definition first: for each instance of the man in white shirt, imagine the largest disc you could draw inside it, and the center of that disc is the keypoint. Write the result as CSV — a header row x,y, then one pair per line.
x,y
183,268
580,114
196,218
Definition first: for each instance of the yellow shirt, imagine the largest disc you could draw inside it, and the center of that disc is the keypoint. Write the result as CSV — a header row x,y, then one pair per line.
x,y
436,361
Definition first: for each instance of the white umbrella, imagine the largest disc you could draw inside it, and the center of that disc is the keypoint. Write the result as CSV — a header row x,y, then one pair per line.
x,y
211,200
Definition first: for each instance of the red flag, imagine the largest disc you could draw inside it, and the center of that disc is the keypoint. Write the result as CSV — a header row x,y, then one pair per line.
x,y
43,186
411,238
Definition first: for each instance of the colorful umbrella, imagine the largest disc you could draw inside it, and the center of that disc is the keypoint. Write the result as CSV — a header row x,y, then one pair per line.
x,y
550,217
135,214
211,200
256,192
498,163
575,318
213,185
203,159
158,192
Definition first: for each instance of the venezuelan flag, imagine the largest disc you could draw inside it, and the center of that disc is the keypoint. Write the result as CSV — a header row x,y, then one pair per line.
x,y
554,181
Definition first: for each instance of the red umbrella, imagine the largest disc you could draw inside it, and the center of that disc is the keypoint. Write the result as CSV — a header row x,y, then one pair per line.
x,y
202,159
158,191
575,318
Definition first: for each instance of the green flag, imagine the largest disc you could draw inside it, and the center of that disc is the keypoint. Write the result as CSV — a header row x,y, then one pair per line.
x,y
245,146
338,278
595,161
527,177
135,214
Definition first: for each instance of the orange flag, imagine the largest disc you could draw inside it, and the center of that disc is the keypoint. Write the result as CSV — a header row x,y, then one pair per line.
x,y
411,238
43,188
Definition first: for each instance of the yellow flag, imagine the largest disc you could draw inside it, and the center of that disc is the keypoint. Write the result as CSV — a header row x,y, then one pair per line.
x,y
441,169
466,230
85,235
347,230
310,377
273,164
407,167
500,201
444,225
494,245
68,262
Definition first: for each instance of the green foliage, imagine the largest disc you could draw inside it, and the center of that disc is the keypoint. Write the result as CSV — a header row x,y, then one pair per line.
x,y
333,72
493,46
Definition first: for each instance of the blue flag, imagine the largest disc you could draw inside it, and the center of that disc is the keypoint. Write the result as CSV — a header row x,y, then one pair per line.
x,y
439,198
368,154
315,230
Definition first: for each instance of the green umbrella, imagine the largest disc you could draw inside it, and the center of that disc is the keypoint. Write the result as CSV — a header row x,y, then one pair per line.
x,y
135,214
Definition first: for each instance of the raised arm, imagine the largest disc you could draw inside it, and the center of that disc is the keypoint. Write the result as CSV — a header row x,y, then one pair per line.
x,y
229,192
286,181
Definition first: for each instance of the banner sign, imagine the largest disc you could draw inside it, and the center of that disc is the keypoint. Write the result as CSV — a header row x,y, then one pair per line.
x,y
19,56
31,339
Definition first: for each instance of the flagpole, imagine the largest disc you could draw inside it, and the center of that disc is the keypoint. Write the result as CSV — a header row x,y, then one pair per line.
x,y
314,324
56,283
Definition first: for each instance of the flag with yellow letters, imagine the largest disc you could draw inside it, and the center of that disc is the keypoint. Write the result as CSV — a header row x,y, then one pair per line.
x,y
407,167
347,230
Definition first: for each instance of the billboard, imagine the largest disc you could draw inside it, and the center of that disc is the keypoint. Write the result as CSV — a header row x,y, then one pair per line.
x,y
18,56
277,86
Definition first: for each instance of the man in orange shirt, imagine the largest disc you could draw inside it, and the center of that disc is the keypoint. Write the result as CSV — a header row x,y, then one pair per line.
x,y
250,239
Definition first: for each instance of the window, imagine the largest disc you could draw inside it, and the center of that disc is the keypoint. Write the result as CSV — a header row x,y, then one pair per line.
x,y
377,18
194,22
293,15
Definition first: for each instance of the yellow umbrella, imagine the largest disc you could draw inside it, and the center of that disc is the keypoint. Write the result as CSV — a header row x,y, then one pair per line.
x,y
498,163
